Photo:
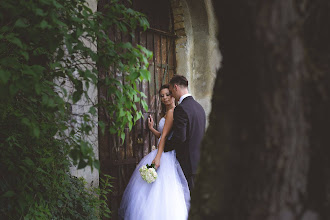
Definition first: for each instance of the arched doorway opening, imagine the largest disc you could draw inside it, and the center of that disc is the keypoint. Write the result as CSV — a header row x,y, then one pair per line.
x,y
197,50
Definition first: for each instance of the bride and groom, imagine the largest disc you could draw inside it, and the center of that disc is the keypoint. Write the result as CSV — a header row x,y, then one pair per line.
x,y
180,133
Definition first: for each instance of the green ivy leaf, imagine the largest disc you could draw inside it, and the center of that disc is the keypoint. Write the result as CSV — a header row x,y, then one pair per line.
x,y
25,55
15,41
8,194
44,24
4,76
96,164
112,130
92,110
38,88
40,12
36,131
133,76
76,96
144,23
102,126
138,116
122,136
82,164
84,148
144,105
143,95
21,23
28,162
145,74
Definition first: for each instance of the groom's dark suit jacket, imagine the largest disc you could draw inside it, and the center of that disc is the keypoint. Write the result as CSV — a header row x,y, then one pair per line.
x,y
188,131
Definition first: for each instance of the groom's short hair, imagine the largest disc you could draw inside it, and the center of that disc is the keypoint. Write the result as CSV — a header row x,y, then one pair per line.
x,y
179,80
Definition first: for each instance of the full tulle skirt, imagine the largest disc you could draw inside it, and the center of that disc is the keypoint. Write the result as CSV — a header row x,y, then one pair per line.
x,y
168,198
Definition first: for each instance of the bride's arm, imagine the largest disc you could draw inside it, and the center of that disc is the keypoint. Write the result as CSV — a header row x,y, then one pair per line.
x,y
151,127
166,130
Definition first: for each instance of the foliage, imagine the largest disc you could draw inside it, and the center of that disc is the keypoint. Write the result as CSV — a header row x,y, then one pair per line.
x,y
74,201
48,65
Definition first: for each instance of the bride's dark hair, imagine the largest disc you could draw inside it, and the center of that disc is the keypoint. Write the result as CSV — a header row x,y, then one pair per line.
x,y
163,107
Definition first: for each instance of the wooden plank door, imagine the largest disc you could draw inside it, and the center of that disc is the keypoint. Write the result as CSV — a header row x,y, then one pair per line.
x,y
120,160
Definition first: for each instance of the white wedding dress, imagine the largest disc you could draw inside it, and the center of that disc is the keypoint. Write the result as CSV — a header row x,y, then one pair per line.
x,y
168,198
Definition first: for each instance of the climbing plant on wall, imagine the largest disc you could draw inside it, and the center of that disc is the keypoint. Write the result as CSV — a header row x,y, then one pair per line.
x,y
46,45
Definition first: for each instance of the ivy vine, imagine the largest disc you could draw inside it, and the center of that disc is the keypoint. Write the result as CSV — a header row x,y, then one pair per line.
x,y
51,52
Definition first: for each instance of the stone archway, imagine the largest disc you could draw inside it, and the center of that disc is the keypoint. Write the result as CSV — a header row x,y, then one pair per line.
x,y
197,51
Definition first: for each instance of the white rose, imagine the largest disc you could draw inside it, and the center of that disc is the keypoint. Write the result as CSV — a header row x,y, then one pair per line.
x,y
148,174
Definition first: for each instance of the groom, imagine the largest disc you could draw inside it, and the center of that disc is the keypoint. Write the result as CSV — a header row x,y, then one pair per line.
x,y
188,128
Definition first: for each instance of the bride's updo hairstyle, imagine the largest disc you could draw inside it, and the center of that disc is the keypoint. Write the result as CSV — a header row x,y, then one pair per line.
x,y
163,107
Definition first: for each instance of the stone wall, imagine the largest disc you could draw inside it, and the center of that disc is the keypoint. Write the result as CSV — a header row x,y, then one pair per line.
x,y
82,106
197,52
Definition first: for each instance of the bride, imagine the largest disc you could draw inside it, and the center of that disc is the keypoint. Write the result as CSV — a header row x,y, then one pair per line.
x,y
168,198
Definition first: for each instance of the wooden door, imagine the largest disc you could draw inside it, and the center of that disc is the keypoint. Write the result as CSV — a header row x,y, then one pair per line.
x,y
120,160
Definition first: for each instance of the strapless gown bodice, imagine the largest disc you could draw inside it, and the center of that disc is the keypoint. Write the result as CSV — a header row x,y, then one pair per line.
x,y
161,125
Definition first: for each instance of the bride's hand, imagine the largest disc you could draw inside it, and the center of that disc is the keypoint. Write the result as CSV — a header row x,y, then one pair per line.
x,y
150,122
156,161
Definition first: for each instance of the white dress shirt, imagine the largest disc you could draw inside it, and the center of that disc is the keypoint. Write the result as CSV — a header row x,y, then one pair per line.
x,y
183,97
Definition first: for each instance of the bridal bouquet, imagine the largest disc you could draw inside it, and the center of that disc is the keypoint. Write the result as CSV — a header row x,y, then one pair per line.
x,y
148,173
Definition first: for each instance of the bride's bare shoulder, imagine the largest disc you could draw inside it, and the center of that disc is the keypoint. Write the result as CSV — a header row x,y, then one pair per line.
x,y
169,113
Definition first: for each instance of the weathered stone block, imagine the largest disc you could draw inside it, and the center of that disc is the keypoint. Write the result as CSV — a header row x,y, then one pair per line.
x,y
178,18
181,40
178,26
178,11
180,32
176,3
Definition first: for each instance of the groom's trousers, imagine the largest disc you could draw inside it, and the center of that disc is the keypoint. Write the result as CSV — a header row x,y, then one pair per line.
x,y
191,181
